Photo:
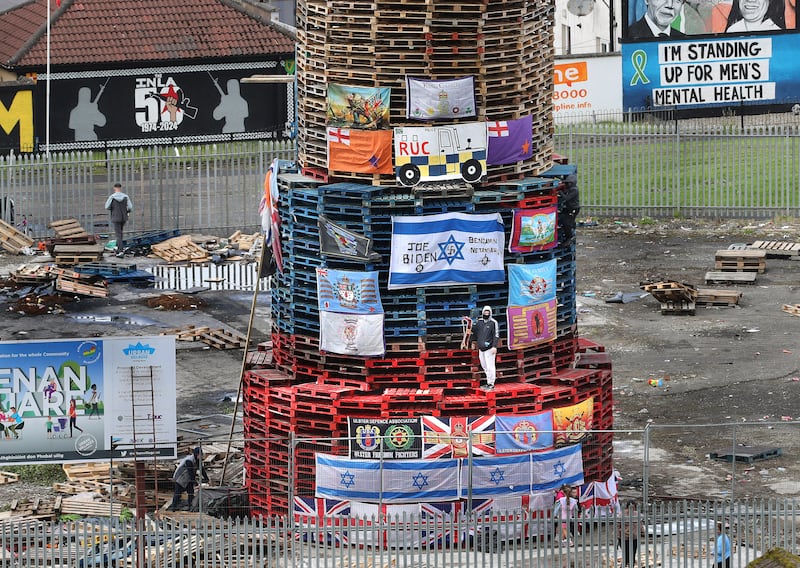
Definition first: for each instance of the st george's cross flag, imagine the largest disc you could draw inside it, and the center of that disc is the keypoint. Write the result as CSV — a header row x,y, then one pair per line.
x,y
446,249
556,467
509,141
362,151
498,475
523,433
406,481
445,98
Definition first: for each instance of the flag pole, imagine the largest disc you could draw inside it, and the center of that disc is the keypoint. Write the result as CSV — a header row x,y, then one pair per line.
x,y
47,119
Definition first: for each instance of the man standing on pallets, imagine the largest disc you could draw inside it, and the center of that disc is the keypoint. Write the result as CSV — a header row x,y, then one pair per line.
x,y
119,205
487,334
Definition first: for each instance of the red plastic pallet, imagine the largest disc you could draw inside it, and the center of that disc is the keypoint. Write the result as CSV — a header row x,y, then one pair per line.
x,y
592,360
413,395
585,345
396,363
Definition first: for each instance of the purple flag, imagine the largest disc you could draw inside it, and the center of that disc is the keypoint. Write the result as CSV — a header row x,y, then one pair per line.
x,y
509,140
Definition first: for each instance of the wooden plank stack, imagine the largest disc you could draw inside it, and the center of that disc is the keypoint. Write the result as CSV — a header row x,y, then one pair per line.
x,y
217,338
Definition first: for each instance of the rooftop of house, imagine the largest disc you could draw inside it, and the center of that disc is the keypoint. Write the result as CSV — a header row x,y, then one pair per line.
x,y
112,32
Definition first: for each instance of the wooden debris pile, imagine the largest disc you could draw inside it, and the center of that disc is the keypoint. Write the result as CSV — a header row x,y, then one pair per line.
x,y
201,248
675,297
14,241
63,279
96,490
217,338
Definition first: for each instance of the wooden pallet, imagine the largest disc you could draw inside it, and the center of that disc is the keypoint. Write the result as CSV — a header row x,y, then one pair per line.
x,y
13,240
747,454
740,261
31,274
7,477
672,293
791,309
68,229
224,339
218,338
716,297
65,284
180,249
730,277
73,254
777,249
244,242
680,307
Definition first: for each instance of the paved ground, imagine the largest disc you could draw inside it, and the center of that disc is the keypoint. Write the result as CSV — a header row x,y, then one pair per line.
x,y
724,366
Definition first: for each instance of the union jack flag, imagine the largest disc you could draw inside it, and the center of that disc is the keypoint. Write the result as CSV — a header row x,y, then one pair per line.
x,y
312,512
448,437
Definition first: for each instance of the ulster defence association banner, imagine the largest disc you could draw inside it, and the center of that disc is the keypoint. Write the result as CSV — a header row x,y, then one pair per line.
x,y
446,249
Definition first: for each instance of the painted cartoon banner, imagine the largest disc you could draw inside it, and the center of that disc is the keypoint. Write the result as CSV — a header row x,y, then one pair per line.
x,y
572,423
73,400
358,107
514,434
446,249
348,292
385,438
533,230
437,153
709,72
428,100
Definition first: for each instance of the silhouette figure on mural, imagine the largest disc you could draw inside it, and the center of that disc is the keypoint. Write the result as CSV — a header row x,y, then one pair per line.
x,y
84,117
232,107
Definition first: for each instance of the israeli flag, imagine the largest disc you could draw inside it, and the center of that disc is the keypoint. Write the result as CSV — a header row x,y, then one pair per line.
x,y
446,249
506,475
554,468
405,481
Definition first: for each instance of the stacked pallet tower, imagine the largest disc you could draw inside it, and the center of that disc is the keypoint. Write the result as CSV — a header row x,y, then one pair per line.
x,y
507,47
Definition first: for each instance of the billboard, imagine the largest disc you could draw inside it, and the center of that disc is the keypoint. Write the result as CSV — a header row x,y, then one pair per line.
x,y
87,400
694,54
191,104
16,119
586,84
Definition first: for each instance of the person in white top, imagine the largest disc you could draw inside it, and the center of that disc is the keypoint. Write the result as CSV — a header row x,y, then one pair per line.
x,y
756,16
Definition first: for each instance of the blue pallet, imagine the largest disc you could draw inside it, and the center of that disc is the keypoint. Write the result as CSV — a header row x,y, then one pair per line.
x,y
134,276
150,238
104,269
349,189
560,171
444,207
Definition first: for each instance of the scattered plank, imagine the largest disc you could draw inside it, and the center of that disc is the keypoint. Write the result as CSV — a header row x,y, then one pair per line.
x,y
180,249
68,229
717,297
777,249
218,338
64,284
791,309
731,277
13,240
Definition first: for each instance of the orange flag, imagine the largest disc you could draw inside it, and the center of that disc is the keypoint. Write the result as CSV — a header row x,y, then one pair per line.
x,y
362,151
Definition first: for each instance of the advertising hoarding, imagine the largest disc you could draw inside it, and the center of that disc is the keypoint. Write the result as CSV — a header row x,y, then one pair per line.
x,y
87,400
